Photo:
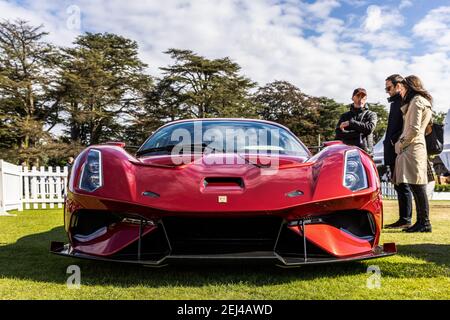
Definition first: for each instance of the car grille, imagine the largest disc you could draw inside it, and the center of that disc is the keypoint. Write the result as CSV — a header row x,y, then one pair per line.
x,y
194,235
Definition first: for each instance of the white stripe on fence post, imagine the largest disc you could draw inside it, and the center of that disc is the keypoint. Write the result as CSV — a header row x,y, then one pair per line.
x,y
51,186
26,187
59,198
21,187
34,187
43,195
2,190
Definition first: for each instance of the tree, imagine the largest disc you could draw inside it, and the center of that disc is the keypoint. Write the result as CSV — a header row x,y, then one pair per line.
x,y
192,87
329,114
103,83
162,104
439,117
382,115
27,90
307,116
282,102
206,88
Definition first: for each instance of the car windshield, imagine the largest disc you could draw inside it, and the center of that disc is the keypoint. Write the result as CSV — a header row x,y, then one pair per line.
x,y
223,136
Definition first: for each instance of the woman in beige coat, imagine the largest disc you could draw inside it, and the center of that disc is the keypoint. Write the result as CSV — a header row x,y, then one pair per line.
x,y
411,162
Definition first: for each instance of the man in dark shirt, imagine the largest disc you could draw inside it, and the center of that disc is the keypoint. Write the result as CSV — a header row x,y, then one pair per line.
x,y
356,126
393,132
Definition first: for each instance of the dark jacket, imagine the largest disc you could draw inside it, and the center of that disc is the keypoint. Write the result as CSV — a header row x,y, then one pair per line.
x,y
360,131
394,130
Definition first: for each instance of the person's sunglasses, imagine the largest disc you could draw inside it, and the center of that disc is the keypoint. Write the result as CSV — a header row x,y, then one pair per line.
x,y
388,88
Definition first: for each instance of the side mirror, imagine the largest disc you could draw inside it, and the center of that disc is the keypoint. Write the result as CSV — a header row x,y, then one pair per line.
x,y
332,143
116,143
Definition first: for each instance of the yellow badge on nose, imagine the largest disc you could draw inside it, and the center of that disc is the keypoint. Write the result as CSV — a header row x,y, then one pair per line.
x,y
223,199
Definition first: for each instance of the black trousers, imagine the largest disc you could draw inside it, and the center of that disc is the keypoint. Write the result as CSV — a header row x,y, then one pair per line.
x,y
421,200
404,197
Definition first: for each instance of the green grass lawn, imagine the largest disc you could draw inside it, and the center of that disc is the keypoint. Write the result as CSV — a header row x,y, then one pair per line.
x,y
29,271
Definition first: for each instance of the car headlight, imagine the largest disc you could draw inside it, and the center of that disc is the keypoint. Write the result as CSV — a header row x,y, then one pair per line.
x,y
355,177
91,176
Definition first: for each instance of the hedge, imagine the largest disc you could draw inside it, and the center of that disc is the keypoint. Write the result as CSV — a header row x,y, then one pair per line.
x,y
442,188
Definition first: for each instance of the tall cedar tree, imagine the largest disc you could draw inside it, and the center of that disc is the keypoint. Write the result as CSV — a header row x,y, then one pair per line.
x,y
28,100
207,88
104,84
163,103
193,87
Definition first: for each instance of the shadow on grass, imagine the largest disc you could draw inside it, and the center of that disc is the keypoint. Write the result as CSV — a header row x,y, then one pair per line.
x,y
29,259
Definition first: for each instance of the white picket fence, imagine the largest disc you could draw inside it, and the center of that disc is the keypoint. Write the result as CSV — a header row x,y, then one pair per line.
x,y
10,187
22,188
44,186
388,191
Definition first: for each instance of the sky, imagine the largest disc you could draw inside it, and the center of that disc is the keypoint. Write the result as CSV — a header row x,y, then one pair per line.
x,y
325,47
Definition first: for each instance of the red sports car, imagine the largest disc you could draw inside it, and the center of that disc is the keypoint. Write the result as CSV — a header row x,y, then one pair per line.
x,y
222,190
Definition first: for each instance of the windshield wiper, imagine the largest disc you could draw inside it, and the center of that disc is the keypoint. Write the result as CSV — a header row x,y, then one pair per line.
x,y
169,147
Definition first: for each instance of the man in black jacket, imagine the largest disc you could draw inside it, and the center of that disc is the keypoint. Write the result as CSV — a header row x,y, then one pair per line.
x,y
393,132
356,126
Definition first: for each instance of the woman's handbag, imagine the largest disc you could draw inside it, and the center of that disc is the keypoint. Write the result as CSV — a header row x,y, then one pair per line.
x,y
434,138
430,171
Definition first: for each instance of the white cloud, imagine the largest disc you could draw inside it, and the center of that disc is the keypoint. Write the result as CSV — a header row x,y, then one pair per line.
x,y
374,21
377,33
355,3
291,40
435,28
40,12
405,4
434,71
322,8
378,18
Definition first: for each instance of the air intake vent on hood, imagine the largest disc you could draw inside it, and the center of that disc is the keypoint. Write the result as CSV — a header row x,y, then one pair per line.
x,y
223,183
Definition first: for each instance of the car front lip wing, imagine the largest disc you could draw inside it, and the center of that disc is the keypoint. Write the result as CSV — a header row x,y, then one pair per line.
x,y
388,249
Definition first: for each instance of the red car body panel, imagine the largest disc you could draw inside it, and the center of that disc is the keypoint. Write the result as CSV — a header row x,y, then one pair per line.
x,y
194,188
117,238
335,241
